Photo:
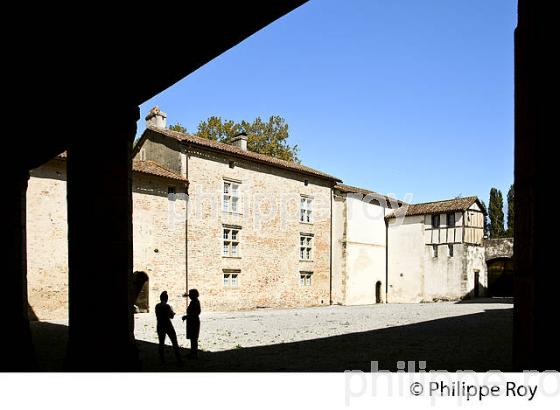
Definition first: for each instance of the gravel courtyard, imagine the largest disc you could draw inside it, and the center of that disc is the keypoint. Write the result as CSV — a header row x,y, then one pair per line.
x,y
472,335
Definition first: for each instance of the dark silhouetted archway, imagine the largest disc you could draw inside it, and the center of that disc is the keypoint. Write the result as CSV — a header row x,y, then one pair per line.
x,y
500,277
141,285
378,292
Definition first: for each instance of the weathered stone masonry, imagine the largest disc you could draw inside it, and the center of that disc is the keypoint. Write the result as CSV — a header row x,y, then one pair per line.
x,y
156,235
269,264
267,267
349,252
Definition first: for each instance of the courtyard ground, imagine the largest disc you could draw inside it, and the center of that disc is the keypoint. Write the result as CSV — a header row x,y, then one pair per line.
x,y
470,335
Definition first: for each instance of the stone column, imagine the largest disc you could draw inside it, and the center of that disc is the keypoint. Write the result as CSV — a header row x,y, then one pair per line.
x,y
101,334
16,347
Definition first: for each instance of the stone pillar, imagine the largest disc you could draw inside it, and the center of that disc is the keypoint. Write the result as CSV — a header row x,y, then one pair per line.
x,y
101,334
536,284
16,348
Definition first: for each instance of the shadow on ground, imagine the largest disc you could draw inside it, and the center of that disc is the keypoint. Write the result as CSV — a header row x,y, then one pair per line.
x,y
478,342
502,299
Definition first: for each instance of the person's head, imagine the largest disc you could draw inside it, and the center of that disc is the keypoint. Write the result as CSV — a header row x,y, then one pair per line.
x,y
164,297
193,293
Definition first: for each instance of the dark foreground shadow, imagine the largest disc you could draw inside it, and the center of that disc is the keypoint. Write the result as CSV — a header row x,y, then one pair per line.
x,y
495,299
478,342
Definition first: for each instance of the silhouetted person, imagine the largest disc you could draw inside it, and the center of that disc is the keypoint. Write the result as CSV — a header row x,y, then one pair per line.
x,y
164,314
193,322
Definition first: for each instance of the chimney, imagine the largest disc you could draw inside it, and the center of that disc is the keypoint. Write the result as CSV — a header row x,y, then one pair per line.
x,y
156,118
240,141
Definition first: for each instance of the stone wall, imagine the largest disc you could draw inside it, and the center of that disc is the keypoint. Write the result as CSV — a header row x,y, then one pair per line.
x,y
164,151
415,275
359,254
158,229
47,246
339,220
498,248
406,255
475,263
178,240
269,229
159,237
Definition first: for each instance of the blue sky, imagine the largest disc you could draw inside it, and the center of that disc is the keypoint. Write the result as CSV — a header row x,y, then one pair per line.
x,y
398,96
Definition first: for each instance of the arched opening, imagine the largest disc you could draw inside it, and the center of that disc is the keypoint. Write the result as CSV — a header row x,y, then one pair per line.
x,y
500,276
378,292
141,288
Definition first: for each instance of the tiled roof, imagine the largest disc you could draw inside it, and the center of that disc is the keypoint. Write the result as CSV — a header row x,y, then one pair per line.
x,y
372,194
145,167
436,207
153,168
233,150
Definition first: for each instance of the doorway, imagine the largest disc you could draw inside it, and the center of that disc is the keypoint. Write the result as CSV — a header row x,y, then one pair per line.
x,y
141,287
476,291
378,292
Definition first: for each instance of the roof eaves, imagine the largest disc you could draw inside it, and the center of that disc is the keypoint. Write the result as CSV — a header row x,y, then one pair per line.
x,y
422,208
250,156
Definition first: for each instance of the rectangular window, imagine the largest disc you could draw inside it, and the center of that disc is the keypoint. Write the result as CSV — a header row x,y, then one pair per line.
x,y
435,221
435,251
450,248
231,242
231,278
306,210
451,220
231,196
306,247
305,278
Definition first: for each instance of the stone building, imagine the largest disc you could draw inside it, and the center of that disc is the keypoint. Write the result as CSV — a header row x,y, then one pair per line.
x,y
435,252
156,236
386,250
251,231
258,229
359,245
246,229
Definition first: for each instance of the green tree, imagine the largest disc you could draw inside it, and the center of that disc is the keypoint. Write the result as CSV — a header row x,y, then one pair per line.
x,y
496,213
178,127
265,137
511,212
486,223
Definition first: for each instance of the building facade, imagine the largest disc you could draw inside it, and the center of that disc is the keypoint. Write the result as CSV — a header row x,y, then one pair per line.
x,y
250,231
435,252
258,229
156,236
359,245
